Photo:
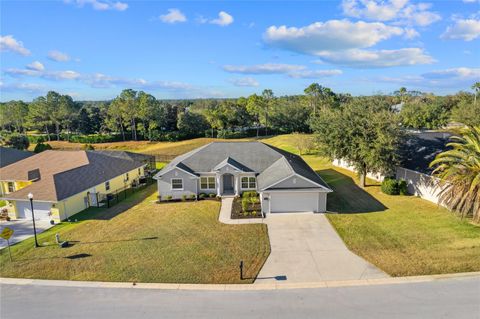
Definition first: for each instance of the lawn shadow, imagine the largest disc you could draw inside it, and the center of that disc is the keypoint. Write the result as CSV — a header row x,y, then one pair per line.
x,y
347,196
78,242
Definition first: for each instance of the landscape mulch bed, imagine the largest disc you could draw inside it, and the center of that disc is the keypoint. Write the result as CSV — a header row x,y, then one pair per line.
x,y
237,212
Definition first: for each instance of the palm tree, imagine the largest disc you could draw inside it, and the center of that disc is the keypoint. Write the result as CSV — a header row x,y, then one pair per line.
x,y
476,89
459,169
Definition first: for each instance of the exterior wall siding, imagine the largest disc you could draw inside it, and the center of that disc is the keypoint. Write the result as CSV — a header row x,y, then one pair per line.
x,y
190,184
294,182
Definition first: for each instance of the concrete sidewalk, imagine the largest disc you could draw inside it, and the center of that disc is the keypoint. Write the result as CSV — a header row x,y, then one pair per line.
x,y
306,248
23,229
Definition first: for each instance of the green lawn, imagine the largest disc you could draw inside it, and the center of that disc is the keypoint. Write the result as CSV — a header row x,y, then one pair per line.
x,y
402,235
148,242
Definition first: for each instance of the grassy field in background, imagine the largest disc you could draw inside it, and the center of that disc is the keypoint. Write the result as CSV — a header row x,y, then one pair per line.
x,y
142,241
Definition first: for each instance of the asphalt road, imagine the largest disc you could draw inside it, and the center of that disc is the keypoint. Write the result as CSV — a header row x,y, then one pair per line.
x,y
451,298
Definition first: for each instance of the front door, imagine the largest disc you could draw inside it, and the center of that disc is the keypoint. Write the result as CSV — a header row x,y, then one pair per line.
x,y
227,183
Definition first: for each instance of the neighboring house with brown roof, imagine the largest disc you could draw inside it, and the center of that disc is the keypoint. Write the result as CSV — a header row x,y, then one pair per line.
x,y
64,183
9,156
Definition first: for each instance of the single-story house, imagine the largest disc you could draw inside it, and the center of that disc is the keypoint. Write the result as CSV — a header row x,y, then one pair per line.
x,y
64,183
284,181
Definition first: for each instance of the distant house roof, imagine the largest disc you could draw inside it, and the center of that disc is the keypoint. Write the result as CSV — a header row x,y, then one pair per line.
x,y
271,163
11,155
421,148
58,175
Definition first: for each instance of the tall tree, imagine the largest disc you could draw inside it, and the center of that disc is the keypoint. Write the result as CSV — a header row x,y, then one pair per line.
x,y
319,97
459,169
129,107
254,107
39,115
363,132
476,89
114,120
268,99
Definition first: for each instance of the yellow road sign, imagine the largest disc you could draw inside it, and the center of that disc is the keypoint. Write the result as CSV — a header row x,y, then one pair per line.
x,y
6,233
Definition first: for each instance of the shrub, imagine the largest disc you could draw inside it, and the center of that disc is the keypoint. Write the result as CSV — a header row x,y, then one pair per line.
x,y
184,198
193,196
254,213
402,187
202,195
40,147
245,202
17,141
88,147
212,195
168,198
249,194
390,186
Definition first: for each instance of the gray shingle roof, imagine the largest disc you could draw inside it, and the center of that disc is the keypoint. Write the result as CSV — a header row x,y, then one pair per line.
x,y
11,155
272,164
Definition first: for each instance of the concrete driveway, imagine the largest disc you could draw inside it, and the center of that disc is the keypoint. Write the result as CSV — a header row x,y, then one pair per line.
x,y
306,248
23,229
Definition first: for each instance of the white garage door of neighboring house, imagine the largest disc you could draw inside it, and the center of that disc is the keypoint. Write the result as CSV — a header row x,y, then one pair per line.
x,y
41,210
284,202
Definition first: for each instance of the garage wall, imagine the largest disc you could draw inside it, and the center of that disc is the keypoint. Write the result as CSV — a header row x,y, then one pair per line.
x,y
293,201
41,210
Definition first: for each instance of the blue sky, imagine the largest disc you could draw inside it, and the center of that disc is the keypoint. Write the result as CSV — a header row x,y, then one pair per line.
x,y
92,49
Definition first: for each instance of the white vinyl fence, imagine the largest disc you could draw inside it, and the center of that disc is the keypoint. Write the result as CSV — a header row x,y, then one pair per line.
x,y
344,164
419,184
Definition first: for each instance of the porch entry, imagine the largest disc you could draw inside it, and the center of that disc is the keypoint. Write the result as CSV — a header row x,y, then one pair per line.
x,y
228,183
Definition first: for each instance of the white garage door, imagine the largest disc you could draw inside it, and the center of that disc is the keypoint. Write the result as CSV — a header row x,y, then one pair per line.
x,y
293,202
40,209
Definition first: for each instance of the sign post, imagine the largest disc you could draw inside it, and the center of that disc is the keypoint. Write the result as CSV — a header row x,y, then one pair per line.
x,y
6,234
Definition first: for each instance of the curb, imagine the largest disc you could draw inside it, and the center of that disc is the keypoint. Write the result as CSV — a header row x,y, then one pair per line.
x,y
235,287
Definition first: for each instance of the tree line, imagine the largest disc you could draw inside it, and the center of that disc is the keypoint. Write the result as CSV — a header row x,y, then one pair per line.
x,y
137,115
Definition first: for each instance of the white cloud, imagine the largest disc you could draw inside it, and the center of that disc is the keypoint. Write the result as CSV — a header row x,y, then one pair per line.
x,y
58,56
100,5
344,42
291,70
463,29
471,1
30,70
36,66
247,82
99,80
9,43
377,58
23,87
173,16
332,35
314,74
268,68
399,11
223,19
446,78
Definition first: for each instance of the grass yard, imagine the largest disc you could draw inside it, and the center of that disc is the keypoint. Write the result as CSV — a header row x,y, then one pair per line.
x,y
402,235
148,242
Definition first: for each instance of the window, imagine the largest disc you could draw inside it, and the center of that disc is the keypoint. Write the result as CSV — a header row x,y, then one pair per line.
x,y
11,187
126,177
207,182
107,185
249,182
177,183
139,171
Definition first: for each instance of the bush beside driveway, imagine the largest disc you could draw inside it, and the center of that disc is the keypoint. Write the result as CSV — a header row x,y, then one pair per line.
x,y
140,240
